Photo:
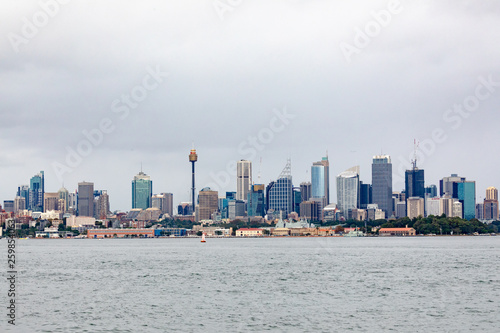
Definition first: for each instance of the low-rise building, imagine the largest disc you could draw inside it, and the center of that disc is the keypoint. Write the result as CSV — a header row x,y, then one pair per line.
x,y
120,233
249,232
397,232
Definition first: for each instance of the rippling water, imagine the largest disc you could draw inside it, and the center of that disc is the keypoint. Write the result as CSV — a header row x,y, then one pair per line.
x,y
431,284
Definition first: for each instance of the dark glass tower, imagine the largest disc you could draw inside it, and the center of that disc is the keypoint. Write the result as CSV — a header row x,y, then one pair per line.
x,y
382,183
414,183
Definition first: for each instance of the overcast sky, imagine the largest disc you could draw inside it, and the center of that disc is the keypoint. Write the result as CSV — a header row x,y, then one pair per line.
x,y
155,76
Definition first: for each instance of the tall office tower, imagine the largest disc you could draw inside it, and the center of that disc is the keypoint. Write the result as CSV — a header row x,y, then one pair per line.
x,y
102,208
348,190
63,194
85,199
490,210
320,181
281,192
36,192
24,191
446,184
414,182
231,195
235,209
480,211
168,207
256,201
244,179
365,195
465,192
382,183
19,204
297,199
415,207
209,203
73,202
305,190
309,210
491,193
50,201
158,201
142,191
431,191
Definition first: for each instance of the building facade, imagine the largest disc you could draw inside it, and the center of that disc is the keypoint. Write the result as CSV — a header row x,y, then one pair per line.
x,y
142,191
85,199
348,190
382,183
243,179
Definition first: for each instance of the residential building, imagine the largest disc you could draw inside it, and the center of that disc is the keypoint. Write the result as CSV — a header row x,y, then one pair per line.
x,y
348,190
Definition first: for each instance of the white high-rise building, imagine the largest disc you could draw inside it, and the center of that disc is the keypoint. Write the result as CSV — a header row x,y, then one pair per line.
x,y
433,206
348,190
244,179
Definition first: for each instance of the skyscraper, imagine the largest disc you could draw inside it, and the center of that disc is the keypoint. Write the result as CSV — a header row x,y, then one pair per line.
x,y
414,183
64,195
305,191
348,190
256,203
142,191
243,179
365,195
36,192
24,191
446,184
209,203
465,192
491,193
382,183
431,191
490,206
101,207
85,199
281,192
320,180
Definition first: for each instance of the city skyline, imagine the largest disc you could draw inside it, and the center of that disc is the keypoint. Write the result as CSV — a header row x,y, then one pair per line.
x,y
284,88
446,182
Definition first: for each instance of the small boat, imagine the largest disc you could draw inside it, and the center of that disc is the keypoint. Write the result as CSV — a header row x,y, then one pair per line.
x,y
203,238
